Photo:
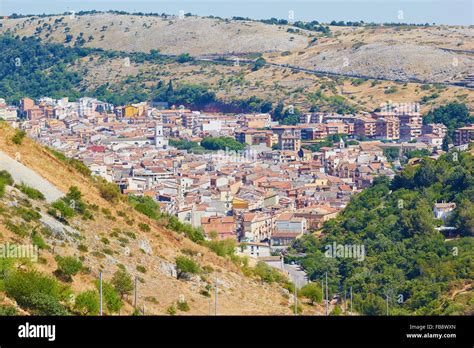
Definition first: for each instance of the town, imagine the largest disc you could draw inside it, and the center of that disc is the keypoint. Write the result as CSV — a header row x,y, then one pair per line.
x,y
240,176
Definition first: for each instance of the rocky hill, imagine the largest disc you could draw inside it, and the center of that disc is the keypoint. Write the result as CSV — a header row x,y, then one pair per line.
x,y
436,54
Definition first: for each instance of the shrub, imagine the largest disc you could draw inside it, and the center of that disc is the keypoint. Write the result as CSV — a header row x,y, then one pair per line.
x,y
18,136
112,300
37,240
224,247
122,283
65,210
36,292
68,266
7,311
171,310
144,227
88,303
183,306
5,179
109,191
30,192
145,205
185,265
312,292
267,274
141,269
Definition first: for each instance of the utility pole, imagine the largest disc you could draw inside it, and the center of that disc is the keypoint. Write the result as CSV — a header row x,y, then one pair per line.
x,y
100,282
296,299
386,296
327,295
215,309
135,300
209,304
351,300
345,301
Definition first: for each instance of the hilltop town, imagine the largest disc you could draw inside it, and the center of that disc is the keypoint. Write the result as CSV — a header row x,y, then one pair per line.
x,y
239,176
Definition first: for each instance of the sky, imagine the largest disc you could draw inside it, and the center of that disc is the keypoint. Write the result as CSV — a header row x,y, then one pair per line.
x,y
451,12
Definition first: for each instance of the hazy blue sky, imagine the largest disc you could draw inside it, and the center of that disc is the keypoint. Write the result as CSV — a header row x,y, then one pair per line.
x,y
414,11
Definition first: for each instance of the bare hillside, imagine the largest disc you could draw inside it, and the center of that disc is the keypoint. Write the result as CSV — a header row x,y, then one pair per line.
x,y
174,35
437,54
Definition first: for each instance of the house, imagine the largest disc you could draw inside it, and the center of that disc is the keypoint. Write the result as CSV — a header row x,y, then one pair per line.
x,y
443,210
223,226
254,249
257,227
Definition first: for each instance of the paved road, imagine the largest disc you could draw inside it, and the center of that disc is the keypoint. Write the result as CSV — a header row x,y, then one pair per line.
x,y
296,274
21,173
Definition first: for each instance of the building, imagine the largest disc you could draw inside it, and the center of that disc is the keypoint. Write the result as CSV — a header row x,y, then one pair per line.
x,y
223,226
7,113
464,135
365,127
410,126
443,210
387,128
257,227
255,250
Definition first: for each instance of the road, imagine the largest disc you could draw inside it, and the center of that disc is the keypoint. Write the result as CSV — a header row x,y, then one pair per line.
x,y
21,173
296,274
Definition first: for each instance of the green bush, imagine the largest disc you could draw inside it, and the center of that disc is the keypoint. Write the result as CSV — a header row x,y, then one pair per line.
x,y
7,311
112,300
141,268
144,227
312,292
68,266
268,274
186,265
109,191
171,310
18,136
5,179
183,306
65,210
38,293
30,192
37,240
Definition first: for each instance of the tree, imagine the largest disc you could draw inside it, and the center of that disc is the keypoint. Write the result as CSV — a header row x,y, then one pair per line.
x,y
186,265
88,302
445,146
259,63
465,218
372,305
312,292
68,266
123,283
112,300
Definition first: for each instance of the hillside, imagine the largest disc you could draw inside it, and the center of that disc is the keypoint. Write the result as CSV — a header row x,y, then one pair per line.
x,y
118,77
110,235
409,261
